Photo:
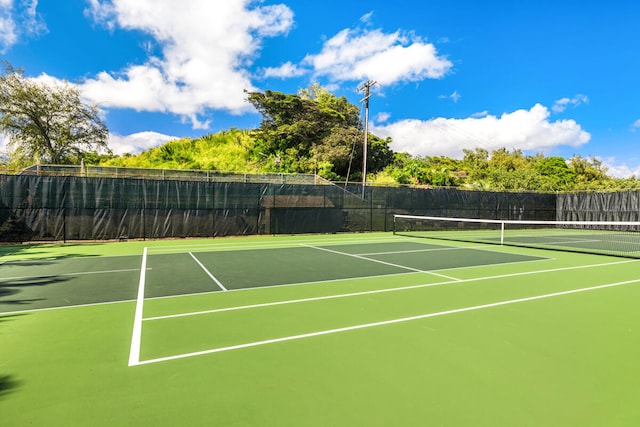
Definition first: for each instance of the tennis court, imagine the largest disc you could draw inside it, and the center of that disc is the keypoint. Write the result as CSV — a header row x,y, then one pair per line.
x,y
354,329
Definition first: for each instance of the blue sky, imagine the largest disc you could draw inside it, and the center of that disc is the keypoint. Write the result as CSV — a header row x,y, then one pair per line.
x,y
558,77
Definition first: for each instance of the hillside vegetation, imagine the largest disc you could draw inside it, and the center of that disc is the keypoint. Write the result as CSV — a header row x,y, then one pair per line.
x,y
224,151
314,131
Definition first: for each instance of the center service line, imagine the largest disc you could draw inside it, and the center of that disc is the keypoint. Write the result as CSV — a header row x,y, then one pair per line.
x,y
379,261
220,285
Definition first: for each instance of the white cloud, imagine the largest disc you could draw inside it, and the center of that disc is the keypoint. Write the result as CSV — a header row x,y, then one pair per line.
x,y
286,70
618,169
480,114
382,117
119,144
366,18
353,55
528,130
560,105
18,19
47,80
102,11
31,22
8,30
206,50
636,124
455,96
137,142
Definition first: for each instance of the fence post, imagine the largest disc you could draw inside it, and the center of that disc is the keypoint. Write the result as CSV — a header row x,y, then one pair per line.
x,y
371,208
65,194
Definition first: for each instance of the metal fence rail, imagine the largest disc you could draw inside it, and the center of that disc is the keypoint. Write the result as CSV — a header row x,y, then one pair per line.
x,y
172,174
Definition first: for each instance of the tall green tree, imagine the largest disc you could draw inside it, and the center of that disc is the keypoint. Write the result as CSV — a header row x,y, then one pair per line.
x,y
589,173
476,164
48,122
314,131
347,114
556,174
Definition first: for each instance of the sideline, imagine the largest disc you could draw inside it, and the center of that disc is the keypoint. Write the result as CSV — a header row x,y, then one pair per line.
x,y
136,336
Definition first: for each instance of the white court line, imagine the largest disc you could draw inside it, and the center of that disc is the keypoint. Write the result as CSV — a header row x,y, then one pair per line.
x,y
82,273
297,301
372,292
567,241
497,264
286,285
619,242
383,323
525,273
342,279
91,304
415,251
136,335
381,262
220,285
276,245
33,310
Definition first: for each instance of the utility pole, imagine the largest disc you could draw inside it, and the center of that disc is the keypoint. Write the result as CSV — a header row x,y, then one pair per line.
x,y
366,87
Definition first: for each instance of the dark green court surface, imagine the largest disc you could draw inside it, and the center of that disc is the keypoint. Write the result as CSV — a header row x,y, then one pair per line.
x,y
66,281
57,282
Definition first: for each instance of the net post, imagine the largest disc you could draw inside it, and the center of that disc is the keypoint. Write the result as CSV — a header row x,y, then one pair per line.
x,y
502,233
394,224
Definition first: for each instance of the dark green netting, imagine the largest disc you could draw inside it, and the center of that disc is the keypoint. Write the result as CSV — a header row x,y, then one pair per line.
x,y
44,208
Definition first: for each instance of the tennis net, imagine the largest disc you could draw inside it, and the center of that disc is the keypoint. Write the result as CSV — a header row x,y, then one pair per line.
x,y
600,237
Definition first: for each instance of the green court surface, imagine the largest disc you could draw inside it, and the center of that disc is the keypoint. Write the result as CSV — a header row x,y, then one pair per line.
x,y
343,330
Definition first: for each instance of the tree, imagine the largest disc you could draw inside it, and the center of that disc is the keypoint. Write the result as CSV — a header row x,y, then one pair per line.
x,y
438,171
341,108
314,132
556,173
48,122
590,173
505,161
476,163
290,127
